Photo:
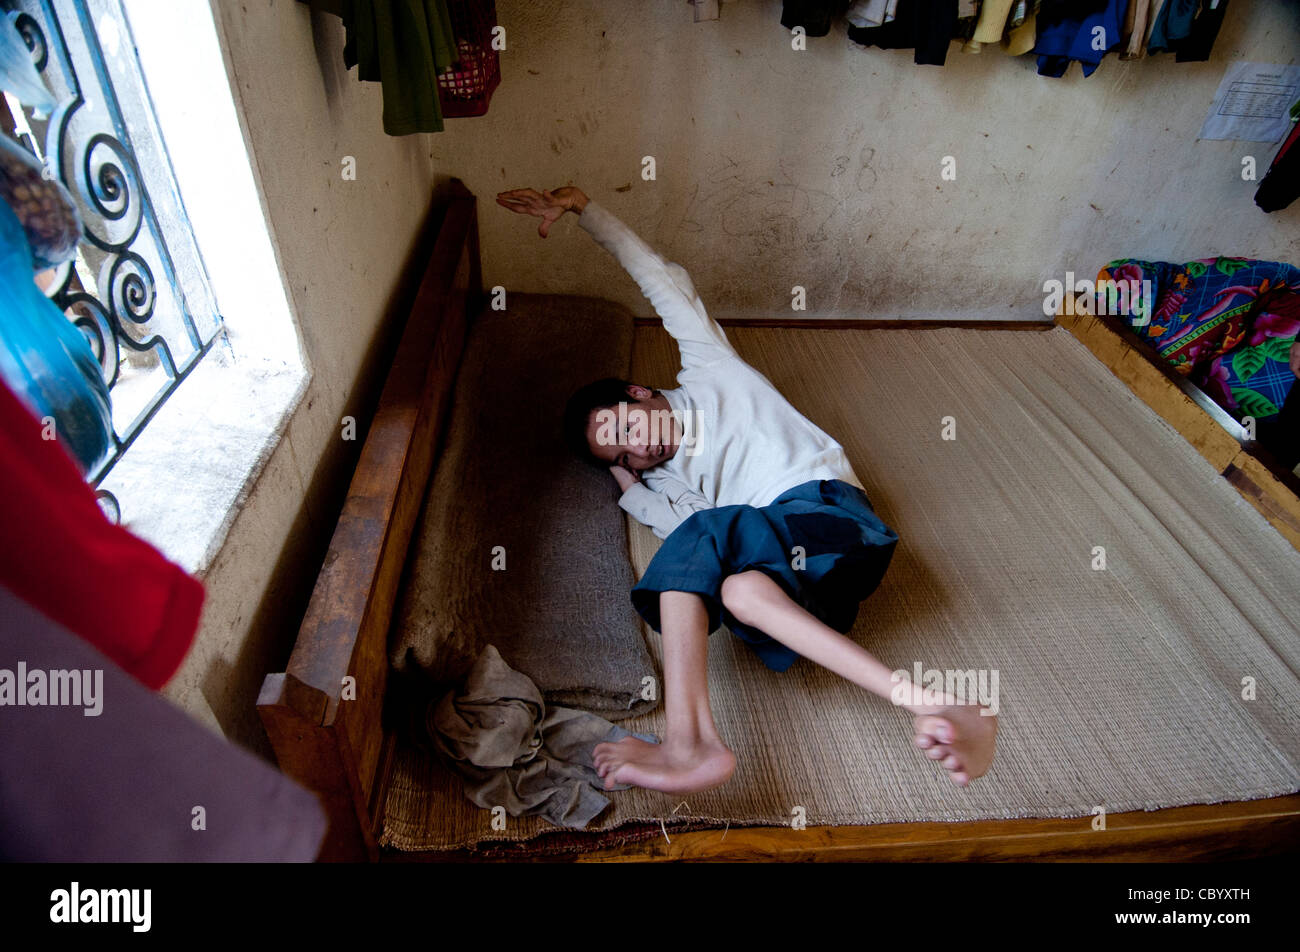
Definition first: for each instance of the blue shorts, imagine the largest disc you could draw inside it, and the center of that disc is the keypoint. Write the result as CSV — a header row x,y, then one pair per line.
x,y
843,552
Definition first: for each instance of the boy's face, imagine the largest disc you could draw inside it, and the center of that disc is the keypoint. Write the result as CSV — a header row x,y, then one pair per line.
x,y
636,435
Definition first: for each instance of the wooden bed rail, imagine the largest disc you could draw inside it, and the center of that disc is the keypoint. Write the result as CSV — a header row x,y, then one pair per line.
x,y
1251,469
323,715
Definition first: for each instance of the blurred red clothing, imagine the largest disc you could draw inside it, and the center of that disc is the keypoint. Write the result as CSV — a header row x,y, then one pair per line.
x,y
61,554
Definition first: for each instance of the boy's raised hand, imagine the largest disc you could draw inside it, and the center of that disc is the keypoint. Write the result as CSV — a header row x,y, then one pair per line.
x,y
546,205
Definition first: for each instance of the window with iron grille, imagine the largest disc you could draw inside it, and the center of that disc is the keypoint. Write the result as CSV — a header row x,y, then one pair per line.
x,y
145,124
137,287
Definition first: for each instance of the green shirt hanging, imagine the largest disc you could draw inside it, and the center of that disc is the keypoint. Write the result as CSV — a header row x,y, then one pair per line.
x,y
403,44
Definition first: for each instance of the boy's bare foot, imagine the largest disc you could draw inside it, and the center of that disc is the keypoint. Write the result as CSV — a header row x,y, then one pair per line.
x,y
959,737
666,767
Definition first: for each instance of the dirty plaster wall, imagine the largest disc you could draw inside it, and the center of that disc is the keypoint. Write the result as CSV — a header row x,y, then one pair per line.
x,y
342,249
822,168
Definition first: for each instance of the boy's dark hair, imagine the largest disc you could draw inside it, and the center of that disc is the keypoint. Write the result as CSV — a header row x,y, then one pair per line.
x,y
597,395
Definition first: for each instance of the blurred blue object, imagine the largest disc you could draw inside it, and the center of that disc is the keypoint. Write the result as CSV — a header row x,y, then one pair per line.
x,y
45,360
18,75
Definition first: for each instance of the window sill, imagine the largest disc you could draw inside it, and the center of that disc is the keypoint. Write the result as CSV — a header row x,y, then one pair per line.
x,y
188,474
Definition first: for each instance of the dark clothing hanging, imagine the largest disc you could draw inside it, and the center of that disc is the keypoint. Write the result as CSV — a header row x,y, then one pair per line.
x,y
928,26
1054,10
1172,24
815,16
403,44
1195,47
59,553
1281,185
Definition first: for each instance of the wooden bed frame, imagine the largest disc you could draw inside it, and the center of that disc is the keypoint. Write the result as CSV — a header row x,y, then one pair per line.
x,y
324,714
1251,469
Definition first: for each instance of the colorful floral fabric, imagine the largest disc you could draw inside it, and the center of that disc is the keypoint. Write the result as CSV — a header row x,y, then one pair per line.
x,y
1227,324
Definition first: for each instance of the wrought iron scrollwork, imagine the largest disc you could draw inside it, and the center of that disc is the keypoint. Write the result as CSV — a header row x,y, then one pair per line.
x,y
139,292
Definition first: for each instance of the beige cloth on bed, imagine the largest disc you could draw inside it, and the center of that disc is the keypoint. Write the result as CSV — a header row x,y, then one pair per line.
x,y
513,751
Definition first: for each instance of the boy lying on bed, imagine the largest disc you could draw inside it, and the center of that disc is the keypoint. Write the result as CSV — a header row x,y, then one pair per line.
x,y
766,527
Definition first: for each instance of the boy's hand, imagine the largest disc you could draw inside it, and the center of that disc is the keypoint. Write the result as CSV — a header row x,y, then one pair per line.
x,y
624,477
548,206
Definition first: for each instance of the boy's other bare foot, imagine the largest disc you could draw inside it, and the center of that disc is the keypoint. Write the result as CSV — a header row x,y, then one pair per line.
x,y
959,737
685,768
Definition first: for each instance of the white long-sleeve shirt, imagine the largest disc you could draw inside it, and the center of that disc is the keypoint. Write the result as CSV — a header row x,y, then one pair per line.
x,y
749,444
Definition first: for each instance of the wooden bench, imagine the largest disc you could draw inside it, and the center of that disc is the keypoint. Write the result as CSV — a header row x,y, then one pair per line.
x,y
324,714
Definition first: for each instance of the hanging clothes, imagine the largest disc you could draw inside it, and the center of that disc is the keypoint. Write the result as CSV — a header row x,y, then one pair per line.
x,y
968,14
1196,46
814,16
992,22
1281,184
1187,28
403,44
60,554
1157,7
1071,31
871,13
1053,10
1011,23
1022,27
926,26
1173,23
1133,39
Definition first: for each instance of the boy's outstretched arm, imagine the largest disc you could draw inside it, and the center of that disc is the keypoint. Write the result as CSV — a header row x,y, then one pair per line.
x,y
664,283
